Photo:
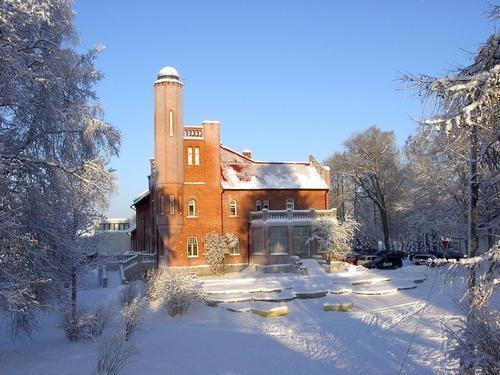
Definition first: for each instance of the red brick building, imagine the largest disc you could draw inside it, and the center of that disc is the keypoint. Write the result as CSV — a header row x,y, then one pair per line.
x,y
197,186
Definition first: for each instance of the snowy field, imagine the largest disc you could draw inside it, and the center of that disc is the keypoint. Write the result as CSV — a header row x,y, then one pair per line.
x,y
372,338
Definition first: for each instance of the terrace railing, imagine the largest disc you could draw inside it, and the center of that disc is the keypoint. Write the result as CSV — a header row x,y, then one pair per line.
x,y
283,215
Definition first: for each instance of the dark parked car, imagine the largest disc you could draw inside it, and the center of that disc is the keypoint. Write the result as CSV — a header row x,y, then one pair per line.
x,y
384,262
351,258
437,254
423,258
454,255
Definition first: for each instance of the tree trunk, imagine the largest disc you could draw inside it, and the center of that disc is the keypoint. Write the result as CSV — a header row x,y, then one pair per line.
x,y
473,203
384,218
74,289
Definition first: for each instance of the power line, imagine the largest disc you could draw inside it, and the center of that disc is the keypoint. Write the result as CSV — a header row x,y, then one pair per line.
x,y
418,324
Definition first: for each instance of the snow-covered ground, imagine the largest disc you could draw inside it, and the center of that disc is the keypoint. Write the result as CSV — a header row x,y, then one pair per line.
x,y
372,338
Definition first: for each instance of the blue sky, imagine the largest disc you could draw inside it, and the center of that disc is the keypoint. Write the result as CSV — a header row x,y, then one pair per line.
x,y
286,78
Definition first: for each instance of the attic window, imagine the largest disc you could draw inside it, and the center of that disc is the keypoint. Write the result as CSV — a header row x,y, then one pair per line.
x,y
258,205
290,204
265,205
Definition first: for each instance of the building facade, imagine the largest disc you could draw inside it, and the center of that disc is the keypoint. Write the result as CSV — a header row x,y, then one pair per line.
x,y
198,186
113,234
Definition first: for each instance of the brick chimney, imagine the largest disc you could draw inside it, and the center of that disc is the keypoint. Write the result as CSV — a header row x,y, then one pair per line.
x,y
247,153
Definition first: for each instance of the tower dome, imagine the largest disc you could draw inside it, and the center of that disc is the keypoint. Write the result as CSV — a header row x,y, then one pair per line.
x,y
168,73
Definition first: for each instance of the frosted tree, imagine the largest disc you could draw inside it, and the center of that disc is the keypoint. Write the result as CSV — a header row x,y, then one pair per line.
x,y
437,185
54,151
466,110
373,165
217,249
334,237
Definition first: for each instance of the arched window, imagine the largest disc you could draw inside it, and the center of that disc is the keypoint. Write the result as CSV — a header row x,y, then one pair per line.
x,y
290,204
233,209
192,247
258,205
191,207
171,123
265,205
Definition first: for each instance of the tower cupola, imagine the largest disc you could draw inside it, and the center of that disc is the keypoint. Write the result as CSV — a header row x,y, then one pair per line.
x,y
168,74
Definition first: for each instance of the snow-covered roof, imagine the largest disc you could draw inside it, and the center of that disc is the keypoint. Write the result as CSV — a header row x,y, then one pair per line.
x,y
242,173
141,196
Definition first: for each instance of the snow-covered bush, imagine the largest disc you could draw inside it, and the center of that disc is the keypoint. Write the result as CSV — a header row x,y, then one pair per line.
x,y
131,314
476,341
113,354
130,291
217,249
334,238
78,325
103,316
174,291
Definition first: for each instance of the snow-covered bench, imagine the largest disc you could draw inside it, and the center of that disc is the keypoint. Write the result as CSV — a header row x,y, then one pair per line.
x,y
267,310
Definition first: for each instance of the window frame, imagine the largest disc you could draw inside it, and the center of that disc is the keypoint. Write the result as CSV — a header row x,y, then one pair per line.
x,y
190,155
171,123
237,247
162,204
258,205
288,201
196,155
191,245
233,204
171,203
265,204
193,201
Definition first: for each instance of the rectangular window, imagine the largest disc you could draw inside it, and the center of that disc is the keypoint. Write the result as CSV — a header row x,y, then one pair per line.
x,y
256,240
190,156
196,156
233,209
192,247
172,204
265,205
279,240
171,123
301,237
234,249
162,204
